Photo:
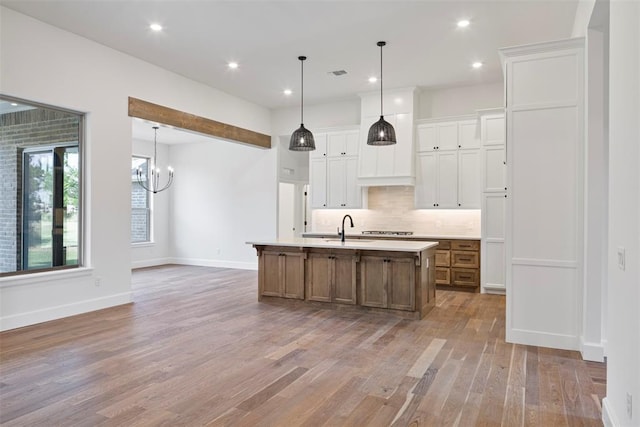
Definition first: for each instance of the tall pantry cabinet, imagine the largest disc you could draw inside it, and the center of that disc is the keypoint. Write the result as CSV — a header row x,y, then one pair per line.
x,y
545,185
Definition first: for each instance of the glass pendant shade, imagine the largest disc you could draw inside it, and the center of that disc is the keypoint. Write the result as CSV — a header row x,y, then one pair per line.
x,y
302,138
381,132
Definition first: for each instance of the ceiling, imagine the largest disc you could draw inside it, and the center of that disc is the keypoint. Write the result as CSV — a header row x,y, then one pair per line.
x,y
424,46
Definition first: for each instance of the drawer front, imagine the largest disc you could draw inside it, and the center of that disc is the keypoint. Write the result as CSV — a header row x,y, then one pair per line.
x,y
465,245
443,276
443,258
465,277
443,244
464,259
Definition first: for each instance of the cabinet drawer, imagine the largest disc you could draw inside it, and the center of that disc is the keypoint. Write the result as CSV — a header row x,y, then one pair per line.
x,y
443,258
465,245
468,259
464,277
443,244
443,276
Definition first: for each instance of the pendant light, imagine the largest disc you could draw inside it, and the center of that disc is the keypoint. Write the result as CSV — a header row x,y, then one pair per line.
x,y
381,132
153,185
302,139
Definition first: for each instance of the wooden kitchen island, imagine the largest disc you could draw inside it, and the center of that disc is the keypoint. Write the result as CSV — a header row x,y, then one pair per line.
x,y
378,275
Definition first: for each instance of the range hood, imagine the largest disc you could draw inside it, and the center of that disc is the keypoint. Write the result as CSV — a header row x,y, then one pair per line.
x,y
388,164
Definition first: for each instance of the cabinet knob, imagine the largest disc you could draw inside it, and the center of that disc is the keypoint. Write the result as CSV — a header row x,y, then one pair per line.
x,y
459,204
505,188
505,196
459,146
434,148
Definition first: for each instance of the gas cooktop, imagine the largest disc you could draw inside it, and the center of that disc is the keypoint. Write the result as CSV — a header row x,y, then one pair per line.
x,y
388,233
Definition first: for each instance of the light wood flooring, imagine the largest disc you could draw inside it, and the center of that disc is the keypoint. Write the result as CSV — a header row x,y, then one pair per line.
x,y
197,348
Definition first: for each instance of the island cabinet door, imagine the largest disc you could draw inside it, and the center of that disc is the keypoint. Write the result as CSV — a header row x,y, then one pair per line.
x,y
373,283
344,279
292,275
401,283
319,272
282,274
270,274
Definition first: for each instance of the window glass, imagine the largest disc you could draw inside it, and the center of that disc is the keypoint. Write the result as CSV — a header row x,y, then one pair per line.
x,y
140,209
40,187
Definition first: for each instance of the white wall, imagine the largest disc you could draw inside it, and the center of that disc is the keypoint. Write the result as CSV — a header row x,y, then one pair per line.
x,y
225,195
623,334
319,116
458,101
97,80
155,252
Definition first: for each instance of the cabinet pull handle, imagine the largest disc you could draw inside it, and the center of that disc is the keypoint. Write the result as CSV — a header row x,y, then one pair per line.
x,y
465,246
465,277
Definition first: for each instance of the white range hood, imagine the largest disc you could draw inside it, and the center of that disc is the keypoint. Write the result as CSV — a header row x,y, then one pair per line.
x,y
389,164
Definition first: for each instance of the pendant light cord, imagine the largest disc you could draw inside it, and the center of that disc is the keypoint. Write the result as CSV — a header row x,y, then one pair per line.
x,y
302,89
155,146
381,113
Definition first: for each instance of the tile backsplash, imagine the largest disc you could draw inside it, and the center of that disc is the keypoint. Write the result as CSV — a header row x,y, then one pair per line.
x,y
392,208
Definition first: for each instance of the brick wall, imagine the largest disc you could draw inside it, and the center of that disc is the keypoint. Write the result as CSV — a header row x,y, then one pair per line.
x,y
20,130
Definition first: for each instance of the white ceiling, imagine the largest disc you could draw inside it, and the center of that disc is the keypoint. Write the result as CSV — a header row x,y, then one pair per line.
x,y
424,46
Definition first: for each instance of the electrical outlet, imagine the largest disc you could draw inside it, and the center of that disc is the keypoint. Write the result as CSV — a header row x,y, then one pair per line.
x,y
97,281
630,406
621,257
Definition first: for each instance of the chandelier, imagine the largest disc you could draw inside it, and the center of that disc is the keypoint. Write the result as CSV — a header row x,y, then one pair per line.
x,y
152,184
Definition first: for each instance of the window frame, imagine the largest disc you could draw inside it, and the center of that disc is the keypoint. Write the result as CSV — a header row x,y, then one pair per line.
x,y
81,117
149,208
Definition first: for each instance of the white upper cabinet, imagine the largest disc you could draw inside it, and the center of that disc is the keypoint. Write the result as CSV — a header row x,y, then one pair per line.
x,y
469,134
437,180
493,129
469,183
321,146
333,170
388,164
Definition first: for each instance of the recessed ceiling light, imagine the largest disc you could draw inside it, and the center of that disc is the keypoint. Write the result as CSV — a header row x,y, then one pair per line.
x,y
463,23
288,92
233,65
477,64
373,79
155,27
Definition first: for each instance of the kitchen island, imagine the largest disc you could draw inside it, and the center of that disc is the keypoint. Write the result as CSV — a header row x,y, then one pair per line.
x,y
379,275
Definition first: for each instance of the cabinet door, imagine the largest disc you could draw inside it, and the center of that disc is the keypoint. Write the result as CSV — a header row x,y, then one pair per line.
x,y
353,192
469,179
352,143
318,182
447,180
493,129
494,169
401,283
319,278
372,281
321,146
292,275
271,274
336,144
468,134
403,164
344,279
426,180
447,134
426,137
336,182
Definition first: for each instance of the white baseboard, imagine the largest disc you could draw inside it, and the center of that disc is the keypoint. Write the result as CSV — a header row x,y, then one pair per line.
x,y
608,416
494,288
215,263
60,311
543,339
592,351
150,262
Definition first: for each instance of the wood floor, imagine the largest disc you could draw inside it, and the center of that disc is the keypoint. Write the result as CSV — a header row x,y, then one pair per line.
x,y
196,348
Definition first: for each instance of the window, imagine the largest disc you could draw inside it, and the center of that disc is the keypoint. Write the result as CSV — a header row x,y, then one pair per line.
x,y
40,191
140,209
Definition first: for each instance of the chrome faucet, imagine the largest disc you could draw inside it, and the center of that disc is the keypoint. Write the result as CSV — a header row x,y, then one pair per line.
x,y
341,234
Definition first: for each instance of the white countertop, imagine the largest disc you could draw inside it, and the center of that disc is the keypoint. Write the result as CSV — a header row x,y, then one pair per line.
x,y
361,244
387,236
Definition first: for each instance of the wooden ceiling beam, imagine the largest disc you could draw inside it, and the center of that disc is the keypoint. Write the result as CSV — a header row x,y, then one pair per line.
x,y
165,115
